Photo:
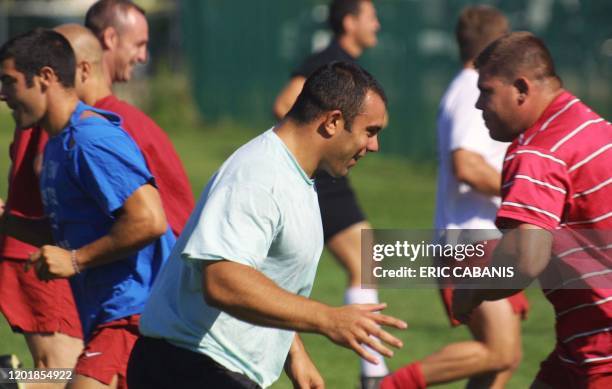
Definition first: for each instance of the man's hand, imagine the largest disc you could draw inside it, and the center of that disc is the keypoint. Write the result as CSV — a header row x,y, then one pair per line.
x,y
51,262
1,207
300,369
356,325
464,302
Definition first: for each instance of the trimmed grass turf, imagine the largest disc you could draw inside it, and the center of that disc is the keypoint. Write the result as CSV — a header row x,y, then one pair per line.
x,y
395,194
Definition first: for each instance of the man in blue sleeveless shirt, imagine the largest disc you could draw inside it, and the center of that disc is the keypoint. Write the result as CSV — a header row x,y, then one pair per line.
x,y
105,228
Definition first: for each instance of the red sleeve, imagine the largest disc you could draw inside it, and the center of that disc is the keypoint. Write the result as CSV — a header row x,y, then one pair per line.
x,y
535,185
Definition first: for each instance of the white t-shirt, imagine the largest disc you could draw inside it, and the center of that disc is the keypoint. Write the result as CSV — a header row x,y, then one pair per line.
x,y
261,210
460,126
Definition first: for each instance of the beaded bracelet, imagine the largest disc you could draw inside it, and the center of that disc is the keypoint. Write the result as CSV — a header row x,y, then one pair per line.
x,y
75,265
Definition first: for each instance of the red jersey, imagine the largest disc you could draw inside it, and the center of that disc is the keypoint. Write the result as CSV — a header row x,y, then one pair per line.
x,y
161,158
23,191
558,175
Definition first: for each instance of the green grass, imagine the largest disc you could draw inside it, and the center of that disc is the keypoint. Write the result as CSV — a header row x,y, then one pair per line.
x,y
394,194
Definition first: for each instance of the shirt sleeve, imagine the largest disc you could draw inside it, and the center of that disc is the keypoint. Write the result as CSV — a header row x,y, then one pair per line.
x,y
467,128
535,187
238,223
111,169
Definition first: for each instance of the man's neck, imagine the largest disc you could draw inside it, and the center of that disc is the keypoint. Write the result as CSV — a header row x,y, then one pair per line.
x,y
548,96
107,69
350,45
60,108
301,142
95,90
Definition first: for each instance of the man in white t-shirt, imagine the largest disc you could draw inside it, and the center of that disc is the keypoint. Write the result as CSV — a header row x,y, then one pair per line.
x,y
223,313
467,198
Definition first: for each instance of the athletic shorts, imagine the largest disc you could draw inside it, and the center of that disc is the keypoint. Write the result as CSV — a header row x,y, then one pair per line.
x,y
107,353
34,306
556,374
338,204
519,302
157,364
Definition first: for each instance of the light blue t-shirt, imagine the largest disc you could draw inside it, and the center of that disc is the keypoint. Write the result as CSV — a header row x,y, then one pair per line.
x,y
261,210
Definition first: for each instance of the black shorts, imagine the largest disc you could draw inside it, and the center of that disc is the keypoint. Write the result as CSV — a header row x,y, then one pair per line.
x,y
157,364
338,203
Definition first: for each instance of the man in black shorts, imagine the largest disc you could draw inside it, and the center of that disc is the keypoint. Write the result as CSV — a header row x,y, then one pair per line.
x,y
354,24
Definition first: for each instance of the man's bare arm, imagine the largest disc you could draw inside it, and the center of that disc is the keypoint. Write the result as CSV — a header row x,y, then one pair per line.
x,y
140,221
473,169
249,295
527,248
285,99
300,369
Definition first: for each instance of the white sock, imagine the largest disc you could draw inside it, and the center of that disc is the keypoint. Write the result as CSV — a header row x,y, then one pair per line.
x,y
356,295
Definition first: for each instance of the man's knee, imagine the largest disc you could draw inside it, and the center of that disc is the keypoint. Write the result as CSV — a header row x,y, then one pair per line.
x,y
498,328
506,359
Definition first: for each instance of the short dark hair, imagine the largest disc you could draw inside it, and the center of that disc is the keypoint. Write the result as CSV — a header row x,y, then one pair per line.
x,y
105,13
338,85
514,53
477,27
38,48
339,9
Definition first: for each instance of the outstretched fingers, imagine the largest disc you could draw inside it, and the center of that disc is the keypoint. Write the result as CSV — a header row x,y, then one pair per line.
x,y
363,353
389,321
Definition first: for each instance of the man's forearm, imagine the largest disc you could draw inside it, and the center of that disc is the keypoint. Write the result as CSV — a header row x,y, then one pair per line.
x,y
125,238
297,350
471,168
248,295
527,250
36,232
140,222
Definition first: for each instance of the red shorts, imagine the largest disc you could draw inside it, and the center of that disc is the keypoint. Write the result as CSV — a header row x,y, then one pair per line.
x,y
556,374
108,351
519,303
34,306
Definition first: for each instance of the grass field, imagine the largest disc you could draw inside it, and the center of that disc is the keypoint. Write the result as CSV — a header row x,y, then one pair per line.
x,y
395,194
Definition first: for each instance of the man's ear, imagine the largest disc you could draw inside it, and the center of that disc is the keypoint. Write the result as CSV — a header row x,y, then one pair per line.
x,y
85,70
46,76
348,23
523,88
109,38
333,122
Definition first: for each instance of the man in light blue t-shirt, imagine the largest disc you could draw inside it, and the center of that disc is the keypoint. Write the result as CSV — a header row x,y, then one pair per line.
x,y
224,310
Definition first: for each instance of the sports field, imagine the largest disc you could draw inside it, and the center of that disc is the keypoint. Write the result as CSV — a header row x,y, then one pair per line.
x,y
395,194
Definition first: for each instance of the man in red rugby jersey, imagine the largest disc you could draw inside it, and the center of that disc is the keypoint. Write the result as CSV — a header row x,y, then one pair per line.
x,y
555,204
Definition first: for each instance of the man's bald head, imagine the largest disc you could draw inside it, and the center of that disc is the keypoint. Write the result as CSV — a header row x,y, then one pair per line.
x,y
84,43
90,83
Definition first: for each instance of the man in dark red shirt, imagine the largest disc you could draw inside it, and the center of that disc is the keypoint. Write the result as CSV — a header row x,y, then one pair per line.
x,y
555,204
45,312
161,158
